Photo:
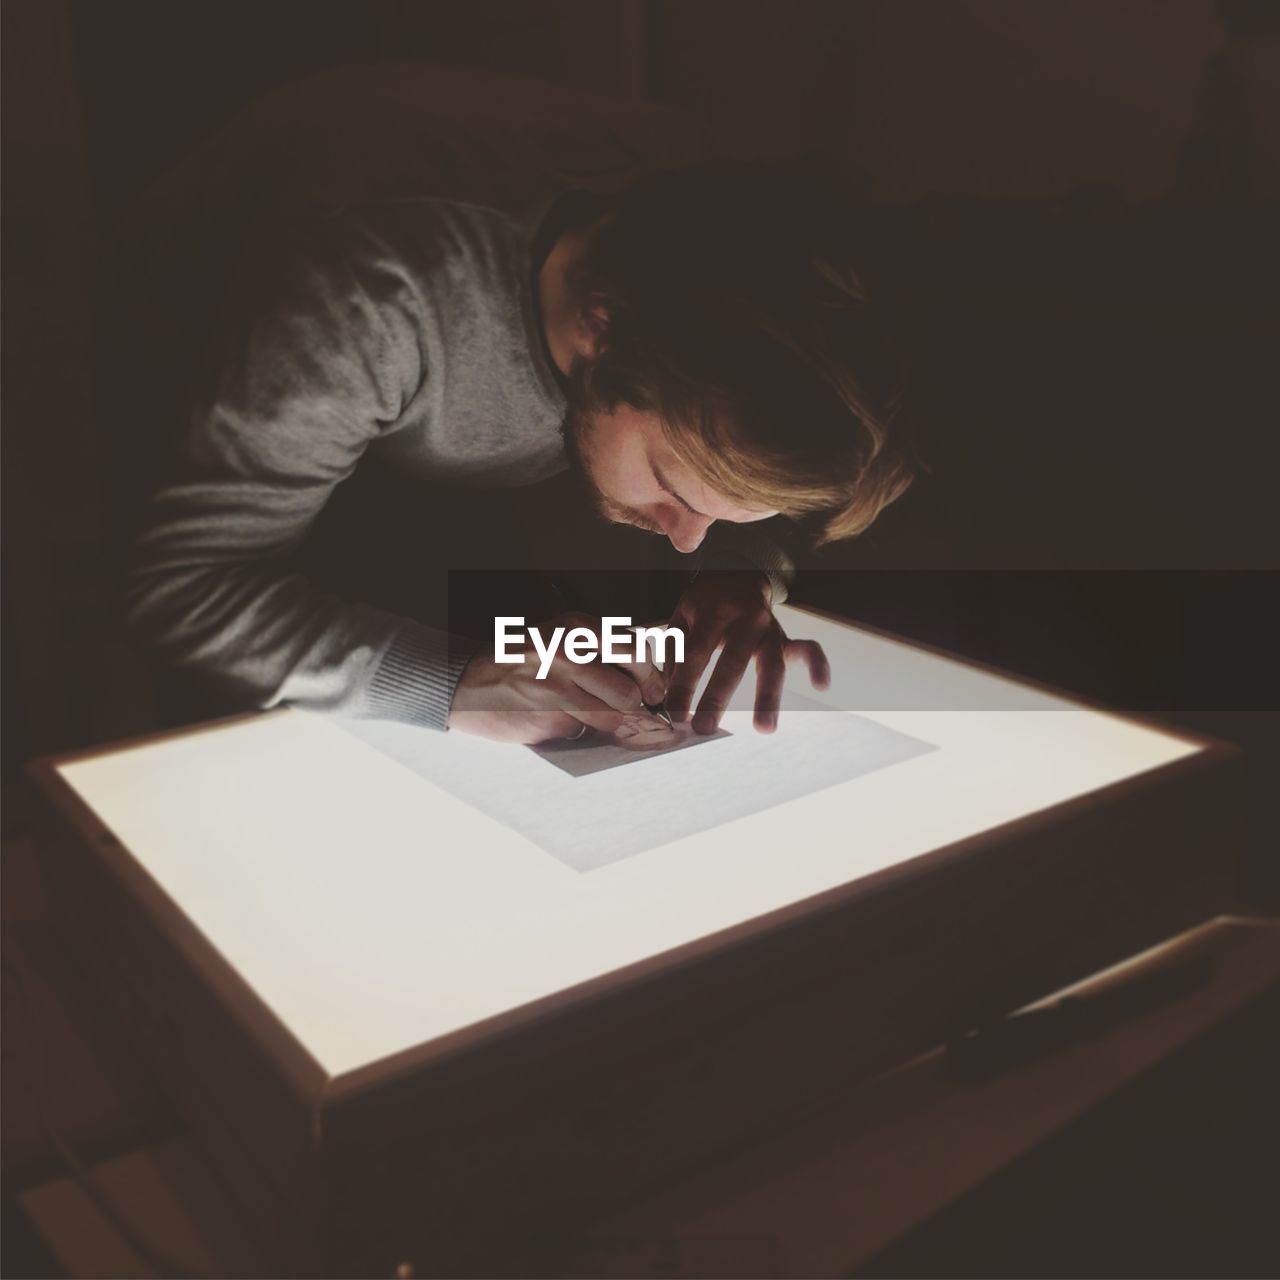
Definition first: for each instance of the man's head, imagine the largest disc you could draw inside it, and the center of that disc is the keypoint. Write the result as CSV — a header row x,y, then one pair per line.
x,y
637,477
725,362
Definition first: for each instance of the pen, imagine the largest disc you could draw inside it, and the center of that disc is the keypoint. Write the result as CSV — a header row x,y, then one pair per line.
x,y
659,710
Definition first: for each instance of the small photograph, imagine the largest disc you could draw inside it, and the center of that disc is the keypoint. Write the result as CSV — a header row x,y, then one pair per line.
x,y
638,738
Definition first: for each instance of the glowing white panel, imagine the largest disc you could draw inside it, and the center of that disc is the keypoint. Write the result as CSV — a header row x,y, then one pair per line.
x,y
373,910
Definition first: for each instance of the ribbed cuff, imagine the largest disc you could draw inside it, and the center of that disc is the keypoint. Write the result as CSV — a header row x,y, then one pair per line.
x,y
415,680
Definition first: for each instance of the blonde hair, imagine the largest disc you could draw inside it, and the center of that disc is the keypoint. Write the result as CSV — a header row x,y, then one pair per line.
x,y
735,315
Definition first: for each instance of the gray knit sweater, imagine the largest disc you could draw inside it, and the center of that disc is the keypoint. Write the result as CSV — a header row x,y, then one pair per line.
x,y
406,330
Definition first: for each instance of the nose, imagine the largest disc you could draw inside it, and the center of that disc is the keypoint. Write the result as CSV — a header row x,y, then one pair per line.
x,y
686,531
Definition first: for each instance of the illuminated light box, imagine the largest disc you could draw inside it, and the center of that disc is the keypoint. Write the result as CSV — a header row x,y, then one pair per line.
x,y
422,994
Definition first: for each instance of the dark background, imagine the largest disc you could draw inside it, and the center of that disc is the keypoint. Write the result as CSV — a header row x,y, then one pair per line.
x,y
1070,206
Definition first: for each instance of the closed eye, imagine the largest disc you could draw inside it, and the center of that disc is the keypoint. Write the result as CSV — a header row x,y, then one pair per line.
x,y
666,488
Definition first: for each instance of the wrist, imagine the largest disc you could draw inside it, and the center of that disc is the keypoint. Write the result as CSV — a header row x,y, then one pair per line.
x,y
418,676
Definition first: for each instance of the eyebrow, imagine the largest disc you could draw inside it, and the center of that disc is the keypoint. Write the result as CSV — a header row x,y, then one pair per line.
x,y
665,485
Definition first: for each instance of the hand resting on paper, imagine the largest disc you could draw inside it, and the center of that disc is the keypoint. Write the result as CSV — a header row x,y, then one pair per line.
x,y
508,703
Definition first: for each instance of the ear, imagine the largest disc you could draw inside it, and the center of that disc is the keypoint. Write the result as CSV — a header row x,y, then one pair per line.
x,y
592,330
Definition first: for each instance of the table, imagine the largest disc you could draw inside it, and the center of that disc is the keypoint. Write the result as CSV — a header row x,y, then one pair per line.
x,y
407,1025
837,1187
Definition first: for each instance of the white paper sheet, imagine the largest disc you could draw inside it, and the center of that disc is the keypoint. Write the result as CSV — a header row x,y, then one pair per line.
x,y
601,817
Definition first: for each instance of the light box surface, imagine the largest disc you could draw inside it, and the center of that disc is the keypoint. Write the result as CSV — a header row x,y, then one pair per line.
x,y
375,903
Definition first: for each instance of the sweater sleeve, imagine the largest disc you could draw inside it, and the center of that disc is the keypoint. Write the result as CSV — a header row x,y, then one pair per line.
x,y
317,357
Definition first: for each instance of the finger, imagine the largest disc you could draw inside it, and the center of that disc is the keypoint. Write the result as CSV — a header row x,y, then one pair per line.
x,y
730,667
685,675
656,685
771,675
587,709
810,652
651,682
555,726
609,685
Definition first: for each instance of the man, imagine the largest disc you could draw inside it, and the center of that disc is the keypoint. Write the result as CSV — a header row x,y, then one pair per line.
x,y
695,345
